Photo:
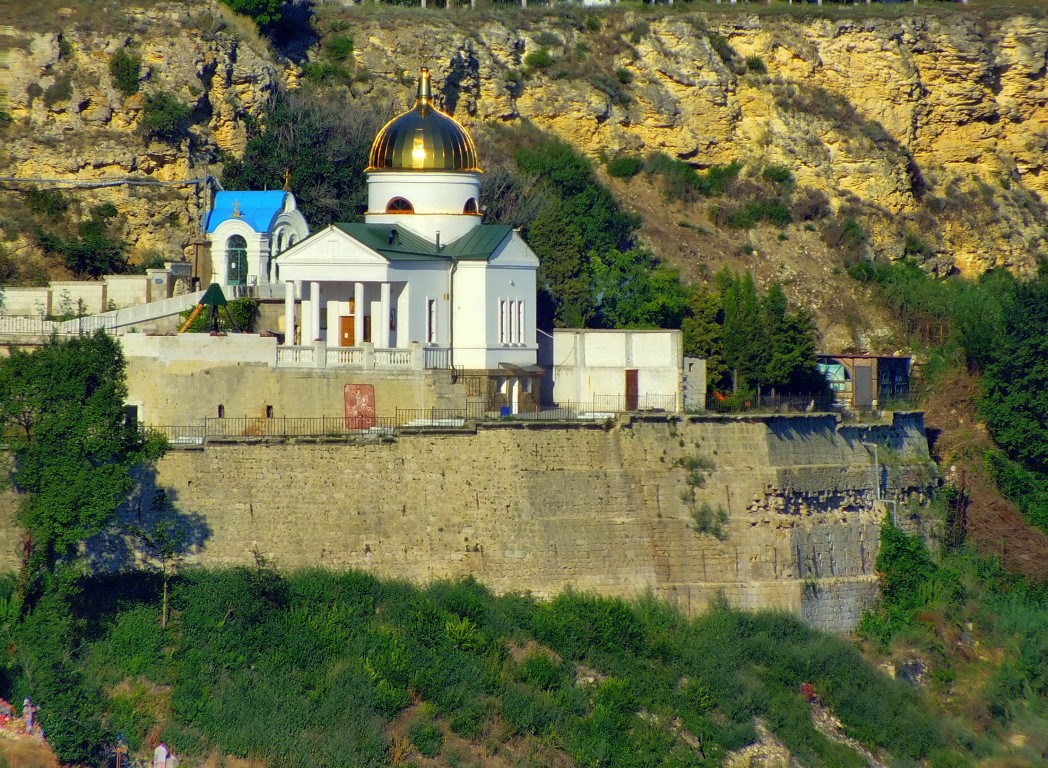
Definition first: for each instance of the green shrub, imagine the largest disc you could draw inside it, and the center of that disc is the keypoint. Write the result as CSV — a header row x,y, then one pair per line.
x,y
612,87
325,72
339,47
165,117
748,215
639,31
529,712
125,69
546,39
914,245
427,737
540,59
624,76
593,23
756,64
49,203
625,166
262,12
682,182
777,174
709,520
541,671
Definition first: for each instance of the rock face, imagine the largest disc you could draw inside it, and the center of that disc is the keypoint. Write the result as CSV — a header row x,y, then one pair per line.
x,y
939,118
907,117
69,120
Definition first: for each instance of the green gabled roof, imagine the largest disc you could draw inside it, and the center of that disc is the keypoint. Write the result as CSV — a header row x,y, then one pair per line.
x,y
476,245
479,243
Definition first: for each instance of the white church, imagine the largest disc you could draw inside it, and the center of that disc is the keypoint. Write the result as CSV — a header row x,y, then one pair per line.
x,y
422,267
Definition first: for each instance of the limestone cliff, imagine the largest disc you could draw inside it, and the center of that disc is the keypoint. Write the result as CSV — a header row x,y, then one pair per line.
x,y
931,122
69,121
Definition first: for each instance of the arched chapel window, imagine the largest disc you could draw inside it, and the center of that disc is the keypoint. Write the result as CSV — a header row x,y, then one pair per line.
x,y
236,259
280,242
399,205
471,206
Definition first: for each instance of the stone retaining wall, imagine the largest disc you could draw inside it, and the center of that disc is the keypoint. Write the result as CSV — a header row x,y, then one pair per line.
x,y
539,508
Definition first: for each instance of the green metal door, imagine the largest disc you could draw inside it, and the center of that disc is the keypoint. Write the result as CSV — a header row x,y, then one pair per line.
x,y
236,259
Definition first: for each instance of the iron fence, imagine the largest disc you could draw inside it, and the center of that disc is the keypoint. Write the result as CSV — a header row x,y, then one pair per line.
x,y
600,409
796,403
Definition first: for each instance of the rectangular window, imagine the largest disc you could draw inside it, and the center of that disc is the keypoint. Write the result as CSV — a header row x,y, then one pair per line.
x,y
520,322
503,338
431,321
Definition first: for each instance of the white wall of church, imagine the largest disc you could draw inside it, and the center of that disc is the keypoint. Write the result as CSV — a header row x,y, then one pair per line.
x,y
257,252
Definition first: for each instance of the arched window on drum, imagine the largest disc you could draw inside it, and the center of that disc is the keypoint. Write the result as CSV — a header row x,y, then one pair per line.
x,y
399,205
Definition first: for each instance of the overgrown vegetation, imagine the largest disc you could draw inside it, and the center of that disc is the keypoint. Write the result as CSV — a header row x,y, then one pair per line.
x,y
62,412
320,664
239,315
165,117
323,143
88,247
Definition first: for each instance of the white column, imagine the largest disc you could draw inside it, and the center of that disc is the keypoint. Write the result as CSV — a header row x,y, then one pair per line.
x,y
314,312
358,314
289,313
383,321
514,395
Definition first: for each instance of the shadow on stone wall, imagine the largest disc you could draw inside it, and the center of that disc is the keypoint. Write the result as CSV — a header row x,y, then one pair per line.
x,y
150,531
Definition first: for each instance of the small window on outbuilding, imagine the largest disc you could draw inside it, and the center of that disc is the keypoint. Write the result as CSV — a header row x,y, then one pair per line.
x,y
221,411
471,206
399,205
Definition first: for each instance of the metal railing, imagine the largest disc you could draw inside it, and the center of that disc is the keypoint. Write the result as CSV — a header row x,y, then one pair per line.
x,y
295,426
798,403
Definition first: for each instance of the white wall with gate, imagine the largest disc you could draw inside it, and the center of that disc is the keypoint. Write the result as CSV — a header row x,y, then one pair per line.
x,y
618,369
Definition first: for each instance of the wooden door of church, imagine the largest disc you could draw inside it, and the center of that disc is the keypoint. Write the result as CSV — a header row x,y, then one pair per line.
x,y
346,331
632,390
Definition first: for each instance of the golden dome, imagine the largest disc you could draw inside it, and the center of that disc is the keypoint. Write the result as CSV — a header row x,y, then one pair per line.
x,y
423,139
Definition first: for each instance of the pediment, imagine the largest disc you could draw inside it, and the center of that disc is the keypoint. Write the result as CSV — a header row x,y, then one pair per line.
x,y
330,247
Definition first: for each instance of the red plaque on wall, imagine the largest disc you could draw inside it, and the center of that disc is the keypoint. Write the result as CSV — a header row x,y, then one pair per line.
x,y
360,406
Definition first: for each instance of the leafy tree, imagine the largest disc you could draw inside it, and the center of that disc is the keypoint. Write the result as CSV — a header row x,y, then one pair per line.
x,y
764,344
325,145
165,117
743,342
634,290
93,251
164,540
67,708
125,69
702,332
262,12
1015,398
578,217
73,447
